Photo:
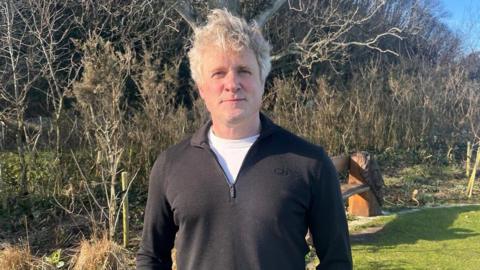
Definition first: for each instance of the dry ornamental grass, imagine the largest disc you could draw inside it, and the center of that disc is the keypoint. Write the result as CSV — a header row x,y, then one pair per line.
x,y
100,253
17,258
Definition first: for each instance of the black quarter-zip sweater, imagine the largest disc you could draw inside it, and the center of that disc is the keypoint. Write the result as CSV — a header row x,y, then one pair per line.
x,y
285,186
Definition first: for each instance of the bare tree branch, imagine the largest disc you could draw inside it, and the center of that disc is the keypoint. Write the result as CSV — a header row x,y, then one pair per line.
x,y
185,9
231,5
266,14
22,69
372,43
329,29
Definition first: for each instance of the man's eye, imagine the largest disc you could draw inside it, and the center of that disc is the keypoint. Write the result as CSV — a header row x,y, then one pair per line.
x,y
245,71
218,74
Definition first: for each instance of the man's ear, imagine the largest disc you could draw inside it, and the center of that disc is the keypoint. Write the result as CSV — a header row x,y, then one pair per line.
x,y
200,90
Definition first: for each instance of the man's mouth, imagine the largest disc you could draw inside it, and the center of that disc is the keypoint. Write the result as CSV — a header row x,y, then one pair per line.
x,y
233,100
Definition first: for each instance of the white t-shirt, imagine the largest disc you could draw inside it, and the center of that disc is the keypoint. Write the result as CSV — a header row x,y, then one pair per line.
x,y
230,153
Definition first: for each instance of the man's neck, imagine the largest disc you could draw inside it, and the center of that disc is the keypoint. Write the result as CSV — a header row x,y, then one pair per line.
x,y
238,130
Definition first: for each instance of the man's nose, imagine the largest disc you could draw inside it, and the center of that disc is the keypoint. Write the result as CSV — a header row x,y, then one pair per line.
x,y
232,82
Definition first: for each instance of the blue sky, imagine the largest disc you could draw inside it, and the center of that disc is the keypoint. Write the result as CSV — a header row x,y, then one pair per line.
x,y
464,17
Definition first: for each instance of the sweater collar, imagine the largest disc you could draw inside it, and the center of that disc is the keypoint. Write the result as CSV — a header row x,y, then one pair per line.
x,y
200,137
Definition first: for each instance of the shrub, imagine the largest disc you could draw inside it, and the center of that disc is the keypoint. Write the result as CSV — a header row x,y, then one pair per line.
x,y
100,253
20,258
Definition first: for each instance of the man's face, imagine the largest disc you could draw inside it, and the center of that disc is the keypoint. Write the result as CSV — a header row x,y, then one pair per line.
x,y
231,86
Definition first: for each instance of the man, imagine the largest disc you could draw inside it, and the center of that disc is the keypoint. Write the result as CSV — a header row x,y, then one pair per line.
x,y
242,192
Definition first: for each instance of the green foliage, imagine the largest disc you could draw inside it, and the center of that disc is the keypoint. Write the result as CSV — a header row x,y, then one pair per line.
x,y
55,259
423,184
41,171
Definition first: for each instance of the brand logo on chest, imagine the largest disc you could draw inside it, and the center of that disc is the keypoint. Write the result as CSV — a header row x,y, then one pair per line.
x,y
286,172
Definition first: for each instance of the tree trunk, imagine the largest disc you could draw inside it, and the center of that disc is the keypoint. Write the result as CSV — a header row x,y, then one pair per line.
x,y
113,207
22,179
231,5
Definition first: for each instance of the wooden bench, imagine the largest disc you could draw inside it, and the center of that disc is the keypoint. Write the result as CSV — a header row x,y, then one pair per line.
x,y
363,187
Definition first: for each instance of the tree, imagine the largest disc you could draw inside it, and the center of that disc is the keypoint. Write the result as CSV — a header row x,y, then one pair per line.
x,y
100,95
309,32
21,70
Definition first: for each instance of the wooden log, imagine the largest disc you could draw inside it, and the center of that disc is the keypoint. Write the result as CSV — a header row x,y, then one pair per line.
x,y
365,203
341,163
350,190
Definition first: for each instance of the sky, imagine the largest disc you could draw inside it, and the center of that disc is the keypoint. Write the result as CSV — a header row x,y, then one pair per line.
x,y
463,16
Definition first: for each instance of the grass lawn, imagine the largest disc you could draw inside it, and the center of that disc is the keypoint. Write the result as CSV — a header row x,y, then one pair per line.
x,y
432,238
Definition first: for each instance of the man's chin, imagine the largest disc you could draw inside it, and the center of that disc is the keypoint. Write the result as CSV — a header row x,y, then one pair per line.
x,y
237,117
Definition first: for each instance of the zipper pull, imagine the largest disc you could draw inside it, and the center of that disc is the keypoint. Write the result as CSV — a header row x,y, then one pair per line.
x,y
232,191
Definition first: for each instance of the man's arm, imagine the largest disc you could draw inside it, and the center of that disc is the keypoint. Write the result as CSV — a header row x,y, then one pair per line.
x,y
158,228
327,221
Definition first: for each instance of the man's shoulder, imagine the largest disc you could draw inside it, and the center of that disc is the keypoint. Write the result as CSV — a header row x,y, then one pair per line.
x,y
177,149
294,141
172,155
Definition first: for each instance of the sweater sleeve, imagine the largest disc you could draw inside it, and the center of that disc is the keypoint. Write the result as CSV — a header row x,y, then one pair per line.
x,y
159,228
327,220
